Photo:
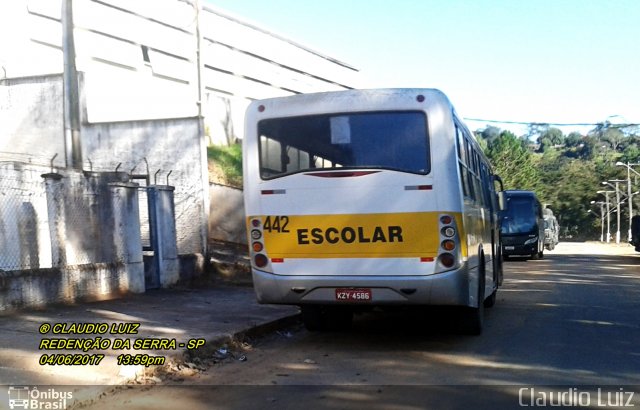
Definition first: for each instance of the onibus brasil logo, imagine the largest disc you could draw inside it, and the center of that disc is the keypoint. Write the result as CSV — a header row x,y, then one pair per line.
x,y
25,397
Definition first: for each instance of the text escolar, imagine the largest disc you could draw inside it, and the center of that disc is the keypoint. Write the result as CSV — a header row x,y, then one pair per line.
x,y
348,234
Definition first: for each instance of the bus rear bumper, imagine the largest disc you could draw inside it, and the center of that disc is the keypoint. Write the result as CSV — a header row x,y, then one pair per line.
x,y
447,289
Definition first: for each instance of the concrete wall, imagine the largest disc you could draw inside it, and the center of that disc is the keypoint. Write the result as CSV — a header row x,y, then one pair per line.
x,y
31,131
226,215
171,145
37,288
31,116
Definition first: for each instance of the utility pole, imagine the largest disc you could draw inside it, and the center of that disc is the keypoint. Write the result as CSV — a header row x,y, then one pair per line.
x,y
630,201
606,194
199,60
601,218
71,92
617,188
618,212
629,194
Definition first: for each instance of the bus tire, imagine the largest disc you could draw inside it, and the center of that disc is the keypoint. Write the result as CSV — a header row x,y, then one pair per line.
x,y
491,300
473,317
535,256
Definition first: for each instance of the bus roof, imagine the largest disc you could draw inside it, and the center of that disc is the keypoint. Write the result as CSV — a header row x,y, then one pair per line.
x,y
519,192
359,94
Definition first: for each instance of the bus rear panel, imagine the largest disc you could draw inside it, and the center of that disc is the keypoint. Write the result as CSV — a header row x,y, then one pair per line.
x,y
354,198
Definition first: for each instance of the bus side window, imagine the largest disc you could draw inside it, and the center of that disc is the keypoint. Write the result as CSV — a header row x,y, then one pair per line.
x,y
462,161
469,164
487,186
463,179
460,144
477,178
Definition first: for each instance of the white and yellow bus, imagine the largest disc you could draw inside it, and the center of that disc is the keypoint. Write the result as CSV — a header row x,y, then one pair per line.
x,y
367,198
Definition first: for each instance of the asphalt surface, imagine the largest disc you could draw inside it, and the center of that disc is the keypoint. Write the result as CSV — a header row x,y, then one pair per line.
x,y
164,320
212,318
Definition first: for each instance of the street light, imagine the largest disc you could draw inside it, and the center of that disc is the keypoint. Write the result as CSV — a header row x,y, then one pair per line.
x,y
601,218
606,194
616,181
629,170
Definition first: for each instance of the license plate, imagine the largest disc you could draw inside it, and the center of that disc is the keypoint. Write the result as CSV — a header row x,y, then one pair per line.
x,y
510,248
353,295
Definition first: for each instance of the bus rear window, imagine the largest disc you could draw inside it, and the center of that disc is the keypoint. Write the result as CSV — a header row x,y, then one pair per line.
x,y
389,140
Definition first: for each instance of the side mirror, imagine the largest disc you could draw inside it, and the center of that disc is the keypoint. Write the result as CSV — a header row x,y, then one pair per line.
x,y
497,179
502,201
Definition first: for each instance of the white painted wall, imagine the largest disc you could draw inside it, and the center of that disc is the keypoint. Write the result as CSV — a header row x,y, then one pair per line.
x,y
240,62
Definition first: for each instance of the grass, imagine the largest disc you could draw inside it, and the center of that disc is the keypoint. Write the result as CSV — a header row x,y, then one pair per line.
x,y
226,163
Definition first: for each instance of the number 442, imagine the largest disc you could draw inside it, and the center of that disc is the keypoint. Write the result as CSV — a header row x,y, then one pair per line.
x,y
277,224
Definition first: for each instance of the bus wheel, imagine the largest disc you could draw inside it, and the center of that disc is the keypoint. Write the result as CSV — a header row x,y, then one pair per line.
x,y
491,300
473,318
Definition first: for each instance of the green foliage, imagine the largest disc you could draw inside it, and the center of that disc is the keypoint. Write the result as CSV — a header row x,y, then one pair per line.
x,y
571,191
566,171
226,161
513,161
549,138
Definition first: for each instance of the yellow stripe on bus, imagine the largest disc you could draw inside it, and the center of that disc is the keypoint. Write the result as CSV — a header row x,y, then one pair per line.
x,y
385,235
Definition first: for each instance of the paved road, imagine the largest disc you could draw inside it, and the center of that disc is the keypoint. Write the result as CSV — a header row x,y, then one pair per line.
x,y
570,321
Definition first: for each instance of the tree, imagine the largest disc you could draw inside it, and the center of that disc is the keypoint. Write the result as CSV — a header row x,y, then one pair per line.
x,y
574,139
614,137
512,160
549,138
490,133
572,194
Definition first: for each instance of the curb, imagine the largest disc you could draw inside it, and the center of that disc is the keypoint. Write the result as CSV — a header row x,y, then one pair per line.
x,y
185,355
214,343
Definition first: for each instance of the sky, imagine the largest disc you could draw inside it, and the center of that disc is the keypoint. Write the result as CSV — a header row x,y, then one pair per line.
x,y
545,61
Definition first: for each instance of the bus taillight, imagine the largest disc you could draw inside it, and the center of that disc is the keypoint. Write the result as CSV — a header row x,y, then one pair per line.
x,y
447,260
448,257
260,260
448,231
448,245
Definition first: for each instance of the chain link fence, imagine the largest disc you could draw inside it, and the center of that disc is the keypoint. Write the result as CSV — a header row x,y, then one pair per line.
x,y
86,210
42,227
24,232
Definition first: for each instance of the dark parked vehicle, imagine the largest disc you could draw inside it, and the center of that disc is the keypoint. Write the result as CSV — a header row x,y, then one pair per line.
x,y
551,230
522,228
635,232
